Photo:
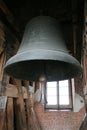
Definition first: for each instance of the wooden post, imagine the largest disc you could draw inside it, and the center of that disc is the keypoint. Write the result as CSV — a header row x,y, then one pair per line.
x,y
85,53
10,114
20,118
2,63
2,37
34,118
2,111
28,108
84,122
2,119
31,115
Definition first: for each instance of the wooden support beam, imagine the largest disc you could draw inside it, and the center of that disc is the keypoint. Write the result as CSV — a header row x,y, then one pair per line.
x,y
84,122
28,111
2,37
10,114
2,111
85,52
2,119
2,63
5,122
32,121
13,30
3,79
12,91
20,117
6,11
7,18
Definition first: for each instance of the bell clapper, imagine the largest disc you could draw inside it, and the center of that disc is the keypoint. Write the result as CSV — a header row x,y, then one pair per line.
x,y
42,81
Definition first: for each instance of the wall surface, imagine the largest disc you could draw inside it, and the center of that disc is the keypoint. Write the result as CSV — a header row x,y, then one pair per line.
x,y
61,120
58,120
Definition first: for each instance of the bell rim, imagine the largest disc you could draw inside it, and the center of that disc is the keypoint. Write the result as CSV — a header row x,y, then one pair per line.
x,y
24,56
36,56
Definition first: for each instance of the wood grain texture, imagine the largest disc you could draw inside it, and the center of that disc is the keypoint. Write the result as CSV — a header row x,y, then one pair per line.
x,y
20,117
10,114
32,121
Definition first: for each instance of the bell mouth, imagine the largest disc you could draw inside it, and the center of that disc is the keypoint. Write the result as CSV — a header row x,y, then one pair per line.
x,y
55,64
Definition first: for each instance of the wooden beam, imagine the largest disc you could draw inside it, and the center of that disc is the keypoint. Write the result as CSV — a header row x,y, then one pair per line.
x,y
84,122
12,91
85,51
11,27
2,63
20,116
5,80
2,118
6,11
32,121
27,102
10,114
8,20
2,37
3,113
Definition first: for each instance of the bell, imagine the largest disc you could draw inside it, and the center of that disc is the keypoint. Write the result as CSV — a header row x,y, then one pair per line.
x,y
43,51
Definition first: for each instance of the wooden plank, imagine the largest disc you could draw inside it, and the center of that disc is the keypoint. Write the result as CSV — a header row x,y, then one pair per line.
x,y
20,116
32,121
28,114
2,37
24,92
84,122
2,114
2,63
12,91
10,114
5,122
2,111
35,120
2,119
85,52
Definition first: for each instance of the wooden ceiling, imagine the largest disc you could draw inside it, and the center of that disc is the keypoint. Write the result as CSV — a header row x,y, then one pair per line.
x,y
68,12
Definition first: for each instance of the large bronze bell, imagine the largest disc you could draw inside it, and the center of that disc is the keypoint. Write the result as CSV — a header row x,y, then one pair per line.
x,y
43,52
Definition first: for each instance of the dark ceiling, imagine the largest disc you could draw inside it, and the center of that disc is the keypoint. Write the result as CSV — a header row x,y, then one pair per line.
x,y
68,12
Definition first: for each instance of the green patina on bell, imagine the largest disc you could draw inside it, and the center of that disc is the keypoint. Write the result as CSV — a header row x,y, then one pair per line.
x,y
43,51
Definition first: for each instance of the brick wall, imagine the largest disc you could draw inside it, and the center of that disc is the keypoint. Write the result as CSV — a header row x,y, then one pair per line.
x,y
79,85
60,120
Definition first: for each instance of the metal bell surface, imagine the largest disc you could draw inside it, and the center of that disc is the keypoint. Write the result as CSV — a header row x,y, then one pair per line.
x,y
43,51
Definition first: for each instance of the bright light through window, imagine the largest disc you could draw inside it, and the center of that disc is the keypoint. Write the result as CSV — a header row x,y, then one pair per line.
x,y
58,94
64,92
51,93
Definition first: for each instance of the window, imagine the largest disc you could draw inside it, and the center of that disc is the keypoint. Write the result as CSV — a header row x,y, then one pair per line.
x,y
59,95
